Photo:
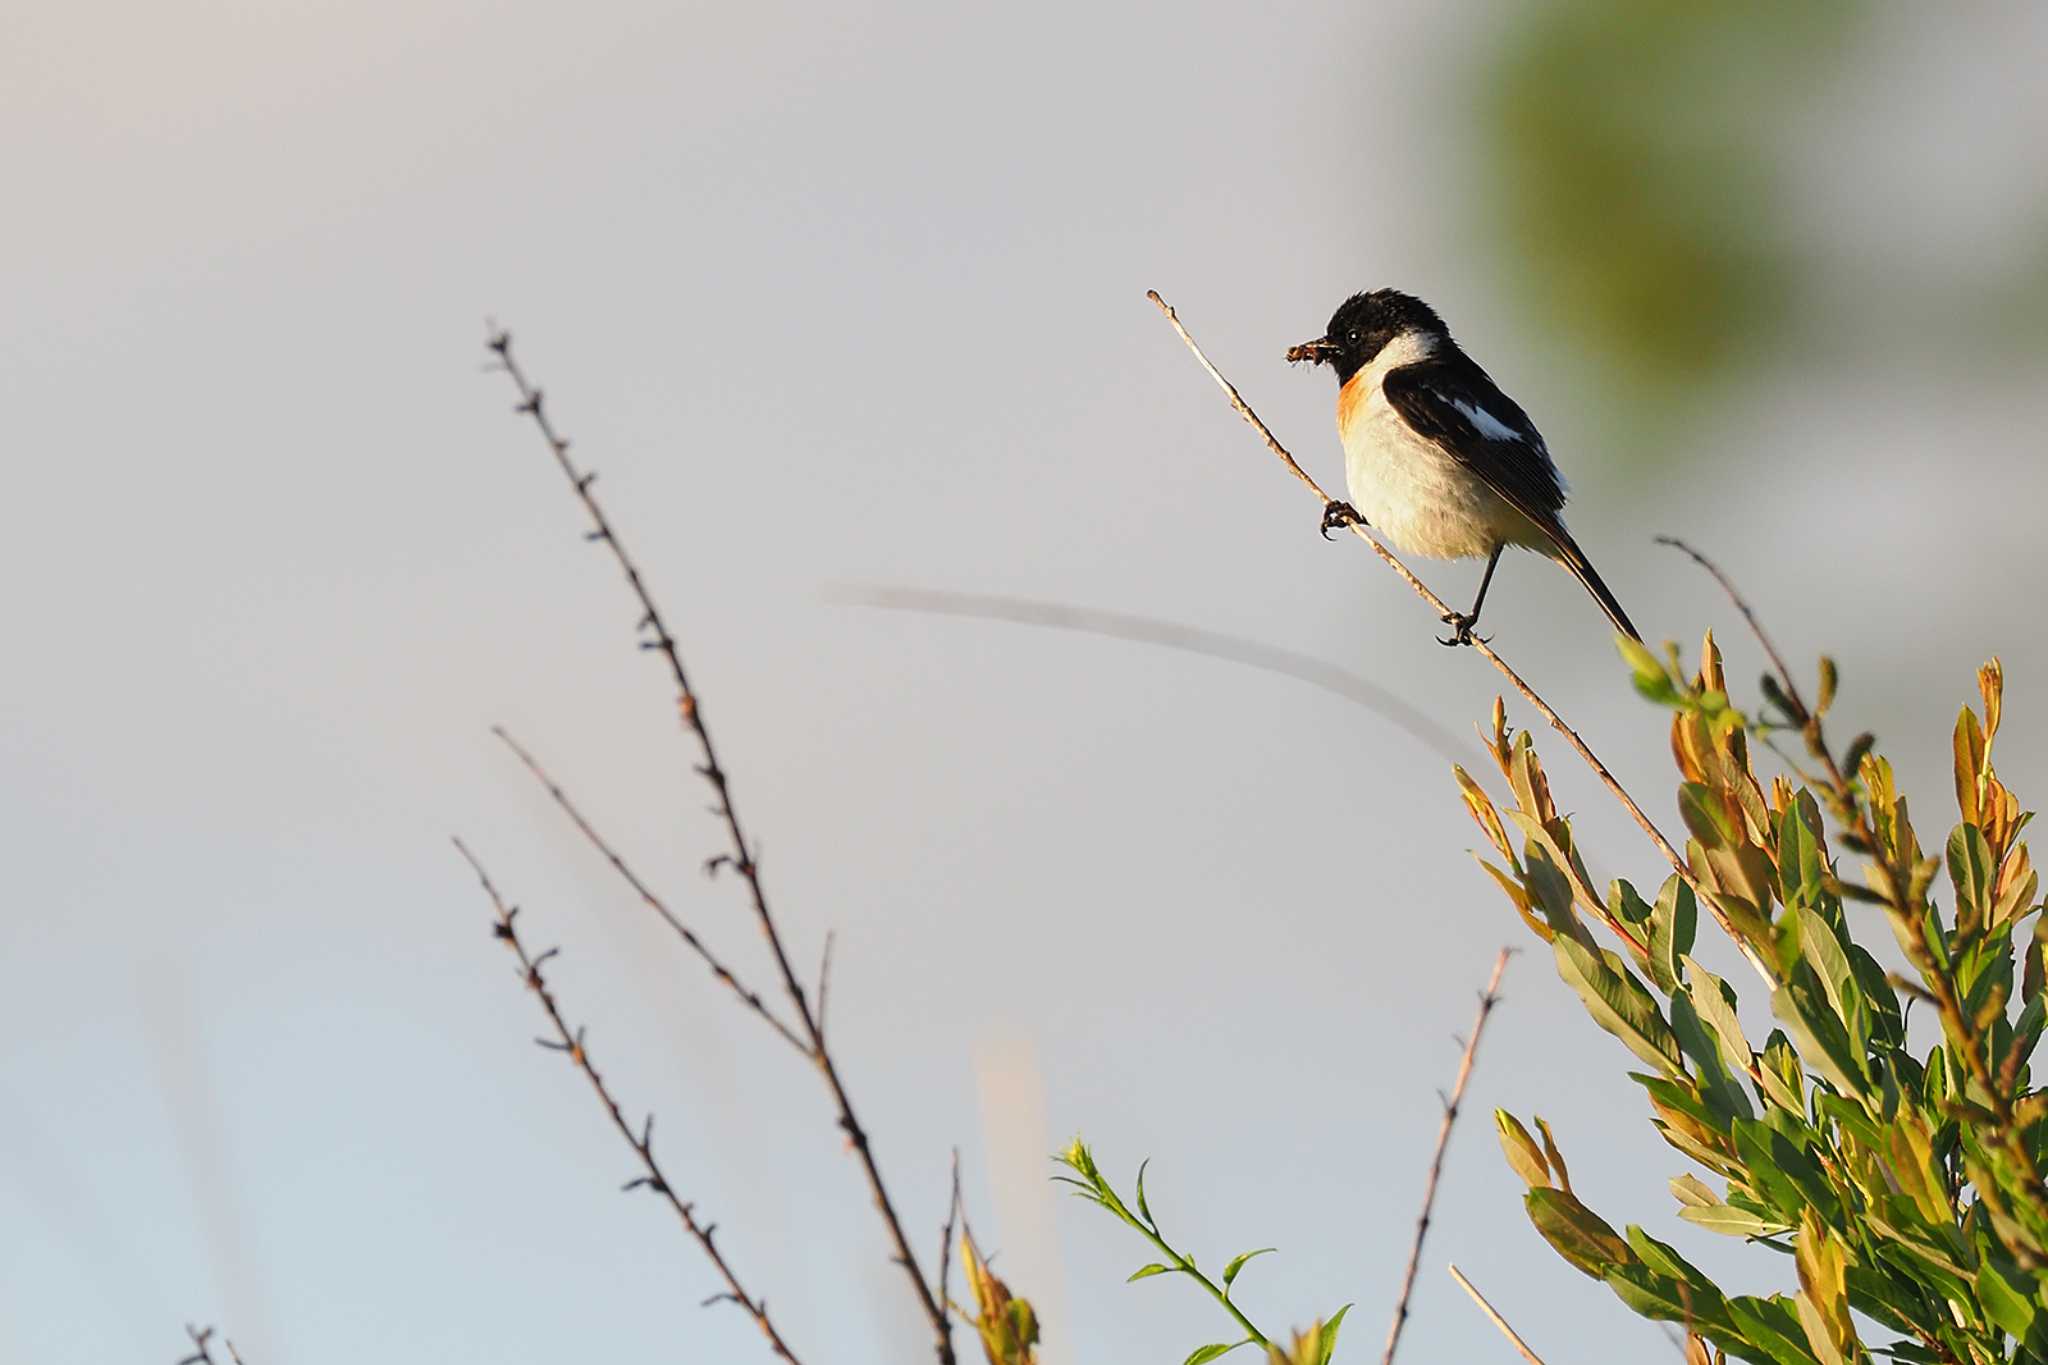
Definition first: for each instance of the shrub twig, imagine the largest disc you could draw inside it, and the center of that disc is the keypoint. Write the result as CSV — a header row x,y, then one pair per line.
x,y
1488,998
741,856
1493,1316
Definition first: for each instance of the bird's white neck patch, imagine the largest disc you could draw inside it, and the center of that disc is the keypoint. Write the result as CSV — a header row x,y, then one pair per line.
x,y
1405,349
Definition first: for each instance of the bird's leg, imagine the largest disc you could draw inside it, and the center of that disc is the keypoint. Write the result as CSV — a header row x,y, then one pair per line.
x,y
1339,516
1461,622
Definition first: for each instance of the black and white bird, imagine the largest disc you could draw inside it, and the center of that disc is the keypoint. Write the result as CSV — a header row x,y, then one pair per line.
x,y
1435,455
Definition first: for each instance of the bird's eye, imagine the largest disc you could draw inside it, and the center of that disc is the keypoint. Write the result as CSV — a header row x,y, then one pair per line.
x,y
1354,336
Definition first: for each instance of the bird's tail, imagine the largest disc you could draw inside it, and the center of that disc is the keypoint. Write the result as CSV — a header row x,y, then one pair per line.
x,y
1572,557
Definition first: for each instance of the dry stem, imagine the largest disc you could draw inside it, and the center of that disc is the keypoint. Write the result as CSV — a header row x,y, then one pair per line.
x,y
1487,999
741,857
1495,1317
1438,605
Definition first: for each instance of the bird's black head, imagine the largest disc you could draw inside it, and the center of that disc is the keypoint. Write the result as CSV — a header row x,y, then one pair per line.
x,y
1363,325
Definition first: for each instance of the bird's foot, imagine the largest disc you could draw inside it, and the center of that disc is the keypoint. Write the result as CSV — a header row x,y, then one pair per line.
x,y
1461,624
1340,516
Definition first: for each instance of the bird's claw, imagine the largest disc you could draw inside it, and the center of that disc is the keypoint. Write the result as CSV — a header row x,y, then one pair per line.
x,y
1461,624
1339,516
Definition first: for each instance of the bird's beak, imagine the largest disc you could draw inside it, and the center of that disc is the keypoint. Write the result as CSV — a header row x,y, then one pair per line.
x,y
1314,352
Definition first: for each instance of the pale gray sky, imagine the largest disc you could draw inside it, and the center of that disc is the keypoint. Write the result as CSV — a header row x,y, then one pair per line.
x,y
843,296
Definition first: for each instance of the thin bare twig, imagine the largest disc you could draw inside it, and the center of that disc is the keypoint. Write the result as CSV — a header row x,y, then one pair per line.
x,y
1120,625
1437,604
1487,999
748,997
570,1042
1756,627
1494,1317
825,981
946,1234
741,857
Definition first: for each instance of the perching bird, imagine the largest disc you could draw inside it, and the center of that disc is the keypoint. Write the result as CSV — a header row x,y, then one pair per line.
x,y
1436,456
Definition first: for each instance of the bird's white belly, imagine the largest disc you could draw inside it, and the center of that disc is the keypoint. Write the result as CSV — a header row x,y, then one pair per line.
x,y
1419,495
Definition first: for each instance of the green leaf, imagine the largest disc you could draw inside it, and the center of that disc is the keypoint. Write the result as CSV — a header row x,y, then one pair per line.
x,y
1237,1264
1822,1041
1577,1233
1784,1080
1551,890
1724,1096
1730,1221
1782,1172
1329,1345
1144,1212
1970,870
1772,1326
1663,1297
1801,875
1825,952
1715,1001
1704,814
1646,672
1619,1003
1147,1272
2005,1298
1624,904
1692,1192
1202,1355
1521,1150
1673,922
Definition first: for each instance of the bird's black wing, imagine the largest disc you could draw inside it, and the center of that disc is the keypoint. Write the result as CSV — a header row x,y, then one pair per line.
x,y
1451,401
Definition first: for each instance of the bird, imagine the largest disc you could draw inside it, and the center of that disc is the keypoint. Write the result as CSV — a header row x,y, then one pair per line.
x,y
1436,457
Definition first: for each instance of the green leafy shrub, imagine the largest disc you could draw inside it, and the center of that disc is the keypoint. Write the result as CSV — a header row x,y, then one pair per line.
x,y
1905,1181
1903,1178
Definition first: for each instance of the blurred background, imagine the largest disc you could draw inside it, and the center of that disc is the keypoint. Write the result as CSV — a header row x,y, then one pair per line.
x,y
854,295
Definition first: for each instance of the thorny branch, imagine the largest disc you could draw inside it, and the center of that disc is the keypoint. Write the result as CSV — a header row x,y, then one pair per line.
x,y
1488,998
1437,604
741,856
570,1042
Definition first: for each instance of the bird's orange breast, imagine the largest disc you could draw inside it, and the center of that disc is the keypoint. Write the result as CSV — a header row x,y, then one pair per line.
x,y
1352,400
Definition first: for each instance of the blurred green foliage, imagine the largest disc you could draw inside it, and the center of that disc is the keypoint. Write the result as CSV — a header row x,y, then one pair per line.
x,y
1632,153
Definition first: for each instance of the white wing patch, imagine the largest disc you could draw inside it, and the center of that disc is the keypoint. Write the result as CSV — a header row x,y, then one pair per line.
x,y
1487,425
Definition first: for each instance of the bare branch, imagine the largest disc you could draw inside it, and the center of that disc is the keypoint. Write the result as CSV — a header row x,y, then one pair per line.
x,y
1487,999
571,1040
1119,625
1495,1317
741,855
749,997
1437,604
824,982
